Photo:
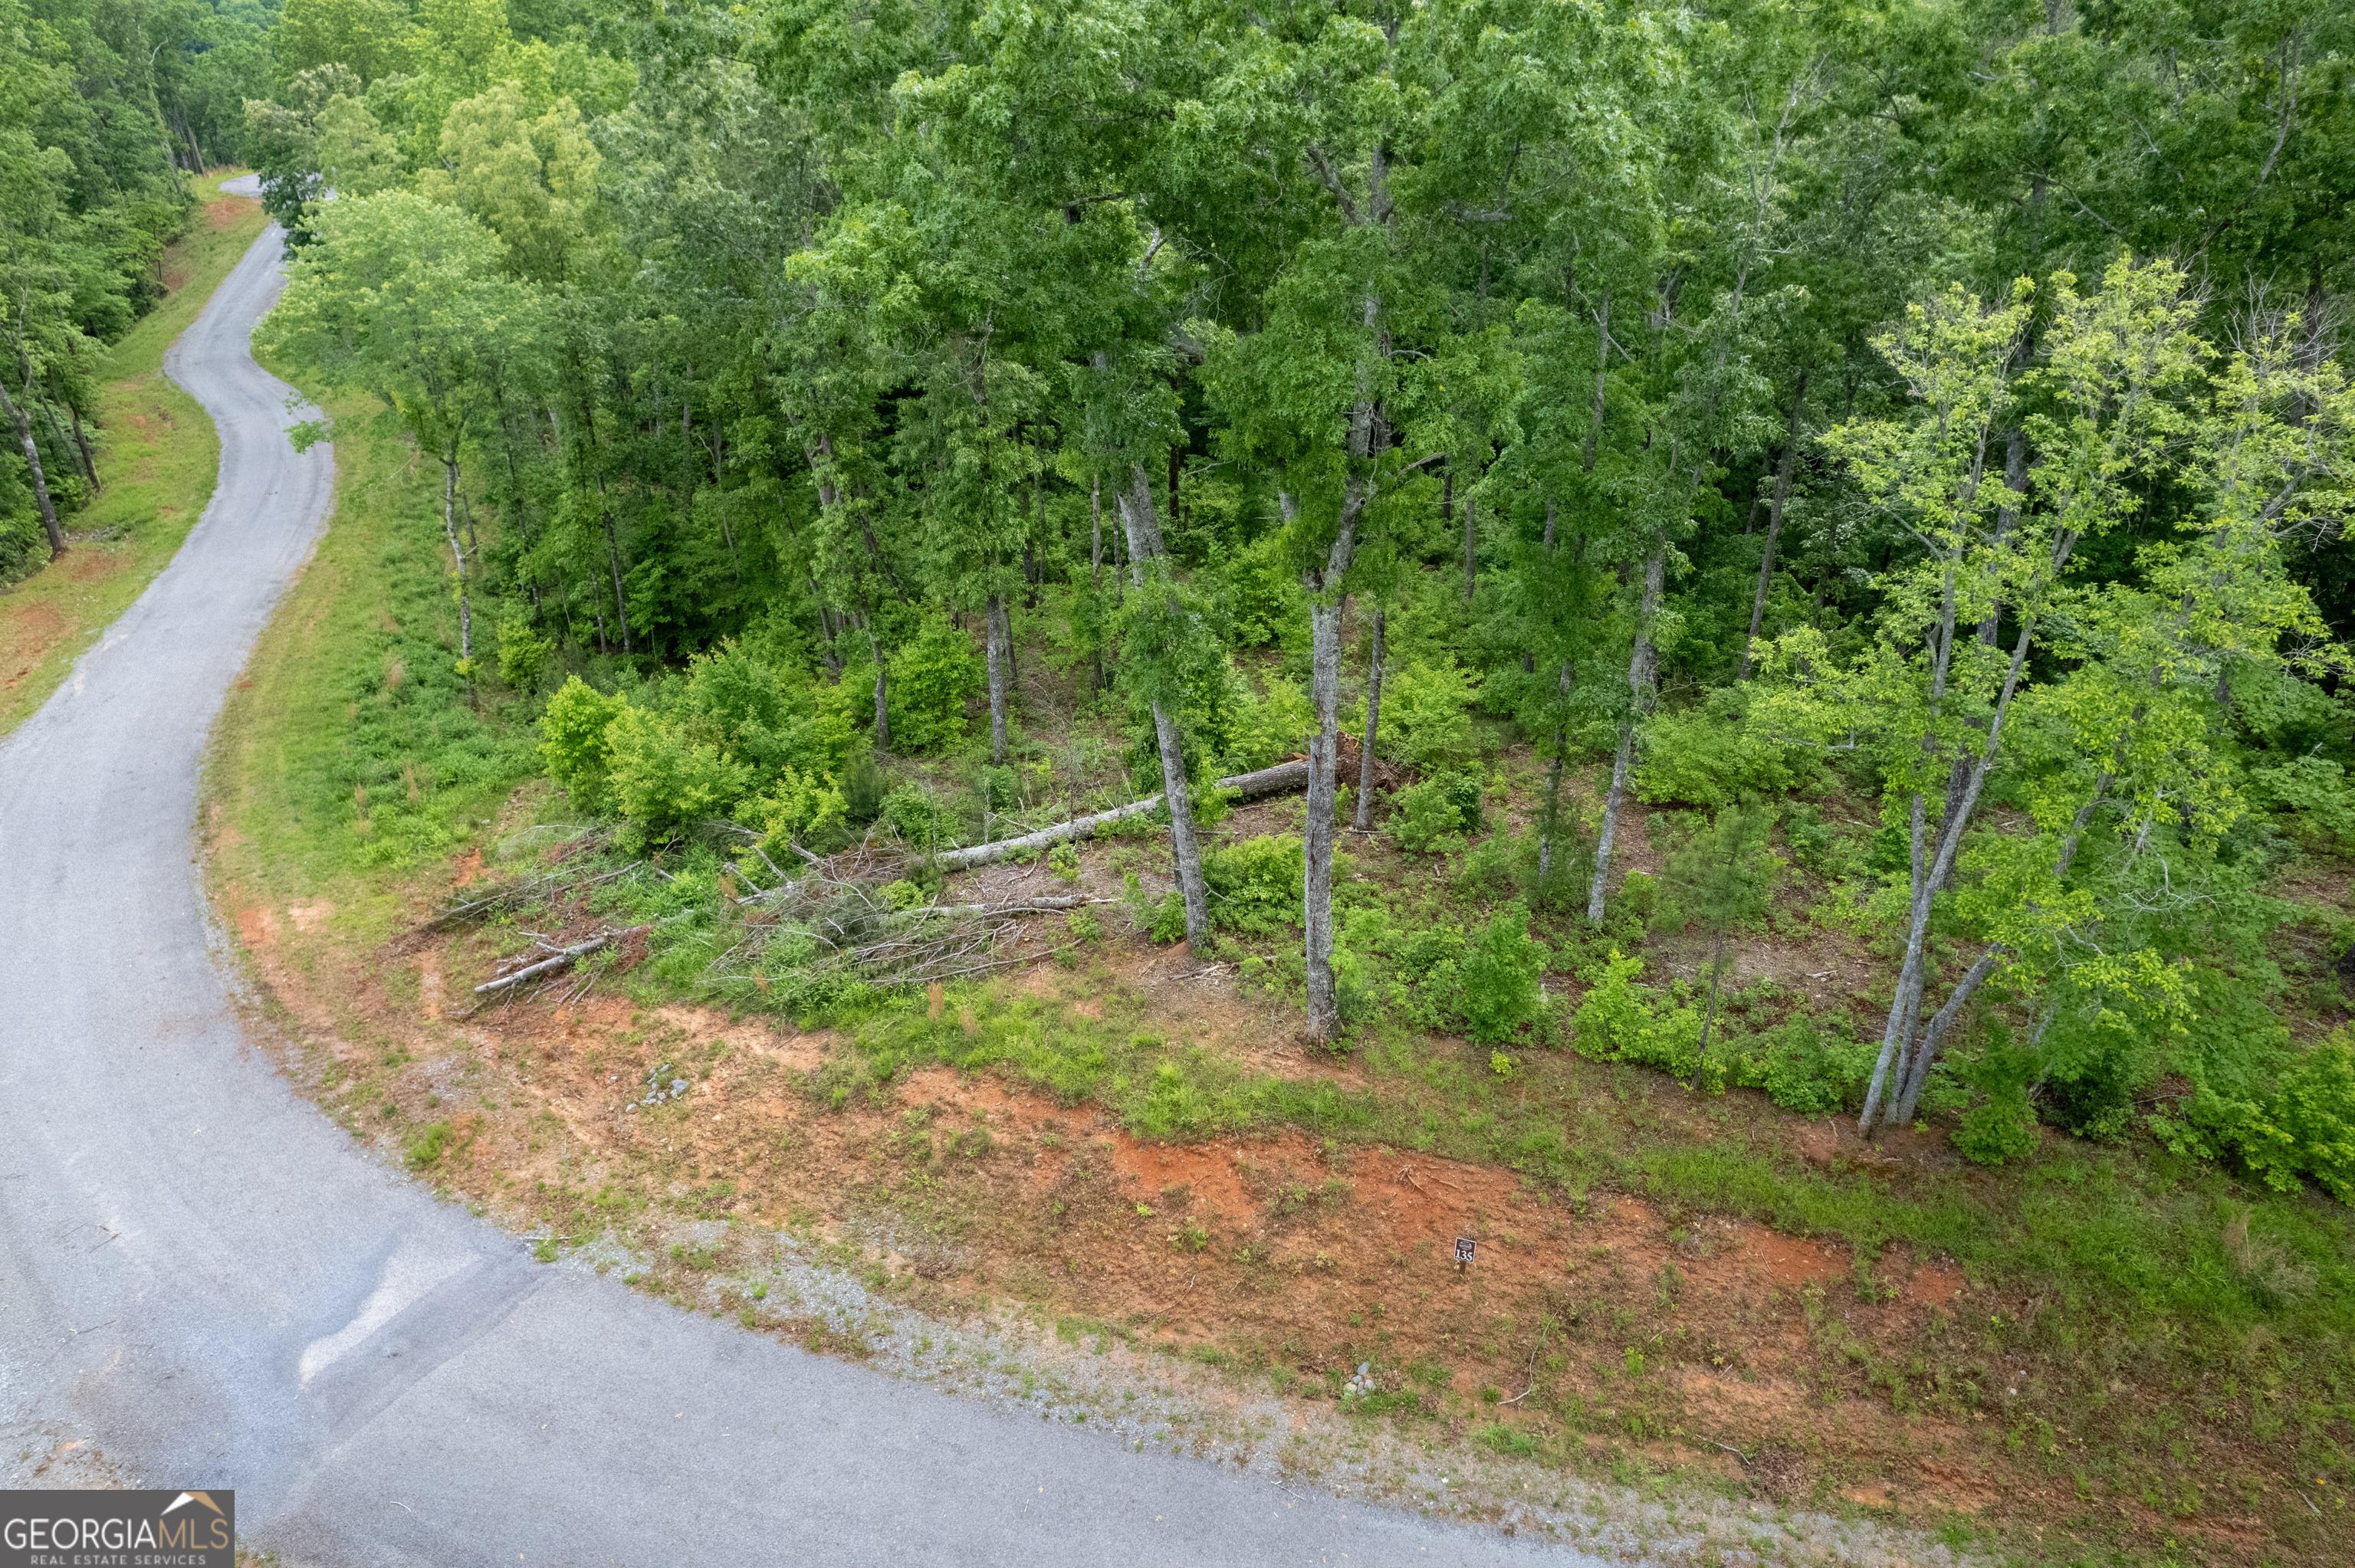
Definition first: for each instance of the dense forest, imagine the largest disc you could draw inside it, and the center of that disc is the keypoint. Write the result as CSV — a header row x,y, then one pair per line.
x,y
106,109
929,424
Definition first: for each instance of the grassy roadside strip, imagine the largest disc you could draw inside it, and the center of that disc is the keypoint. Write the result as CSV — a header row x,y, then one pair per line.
x,y
159,456
349,750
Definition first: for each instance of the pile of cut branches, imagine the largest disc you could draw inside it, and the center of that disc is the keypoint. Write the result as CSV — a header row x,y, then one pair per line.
x,y
850,924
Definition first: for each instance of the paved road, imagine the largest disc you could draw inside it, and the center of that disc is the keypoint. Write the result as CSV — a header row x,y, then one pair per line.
x,y
203,1280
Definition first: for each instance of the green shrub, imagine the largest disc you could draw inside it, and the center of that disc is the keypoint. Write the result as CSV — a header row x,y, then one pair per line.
x,y
768,719
2003,1124
796,808
2312,792
662,781
2001,1128
576,745
916,817
1619,1021
1255,885
1639,898
2307,1126
863,789
1427,714
1255,888
1501,975
1712,755
523,653
931,677
1263,591
1250,729
1431,817
1805,1067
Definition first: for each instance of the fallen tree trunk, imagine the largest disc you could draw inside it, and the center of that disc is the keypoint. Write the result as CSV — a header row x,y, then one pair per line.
x,y
561,957
1027,906
1077,828
1279,779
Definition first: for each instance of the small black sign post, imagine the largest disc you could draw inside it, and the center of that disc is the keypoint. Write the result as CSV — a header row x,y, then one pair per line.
x,y
1465,1247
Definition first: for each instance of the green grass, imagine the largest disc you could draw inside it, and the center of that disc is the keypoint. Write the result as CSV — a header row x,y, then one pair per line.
x,y
156,451
351,747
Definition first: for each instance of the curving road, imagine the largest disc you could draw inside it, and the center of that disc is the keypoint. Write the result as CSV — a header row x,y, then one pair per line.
x,y
202,1282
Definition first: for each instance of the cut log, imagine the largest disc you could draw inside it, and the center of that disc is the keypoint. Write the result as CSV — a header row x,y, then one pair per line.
x,y
558,960
1077,828
1279,779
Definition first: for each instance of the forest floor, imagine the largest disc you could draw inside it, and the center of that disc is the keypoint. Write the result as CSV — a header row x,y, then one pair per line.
x,y
156,452
1727,1334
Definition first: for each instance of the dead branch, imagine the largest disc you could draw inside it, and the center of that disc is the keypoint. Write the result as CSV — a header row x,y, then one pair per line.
x,y
519,892
561,957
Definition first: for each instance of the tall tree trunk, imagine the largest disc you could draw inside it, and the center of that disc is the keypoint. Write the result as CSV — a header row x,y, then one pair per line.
x,y
1643,678
999,637
1325,691
1327,605
1144,546
82,439
1783,472
57,433
1095,545
458,555
882,711
1471,512
1708,1018
1373,726
40,481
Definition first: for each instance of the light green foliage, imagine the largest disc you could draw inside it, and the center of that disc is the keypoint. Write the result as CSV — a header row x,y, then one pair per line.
x,y
1258,729
1618,1020
531,180
1501,972
920,820
2001,1128
1710,755
2311,792
661,780
1427,714
796,808
523,653
1255,889
2306,1127
576,744
354,157
769,719
931,679
1264,593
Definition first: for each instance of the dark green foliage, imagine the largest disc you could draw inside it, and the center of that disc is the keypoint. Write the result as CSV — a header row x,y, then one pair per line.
x,y
1501,970
1255,889
863,789
1433,817
2003,1124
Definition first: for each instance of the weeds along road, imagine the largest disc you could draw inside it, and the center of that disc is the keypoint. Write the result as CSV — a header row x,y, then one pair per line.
x,y
203,1283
